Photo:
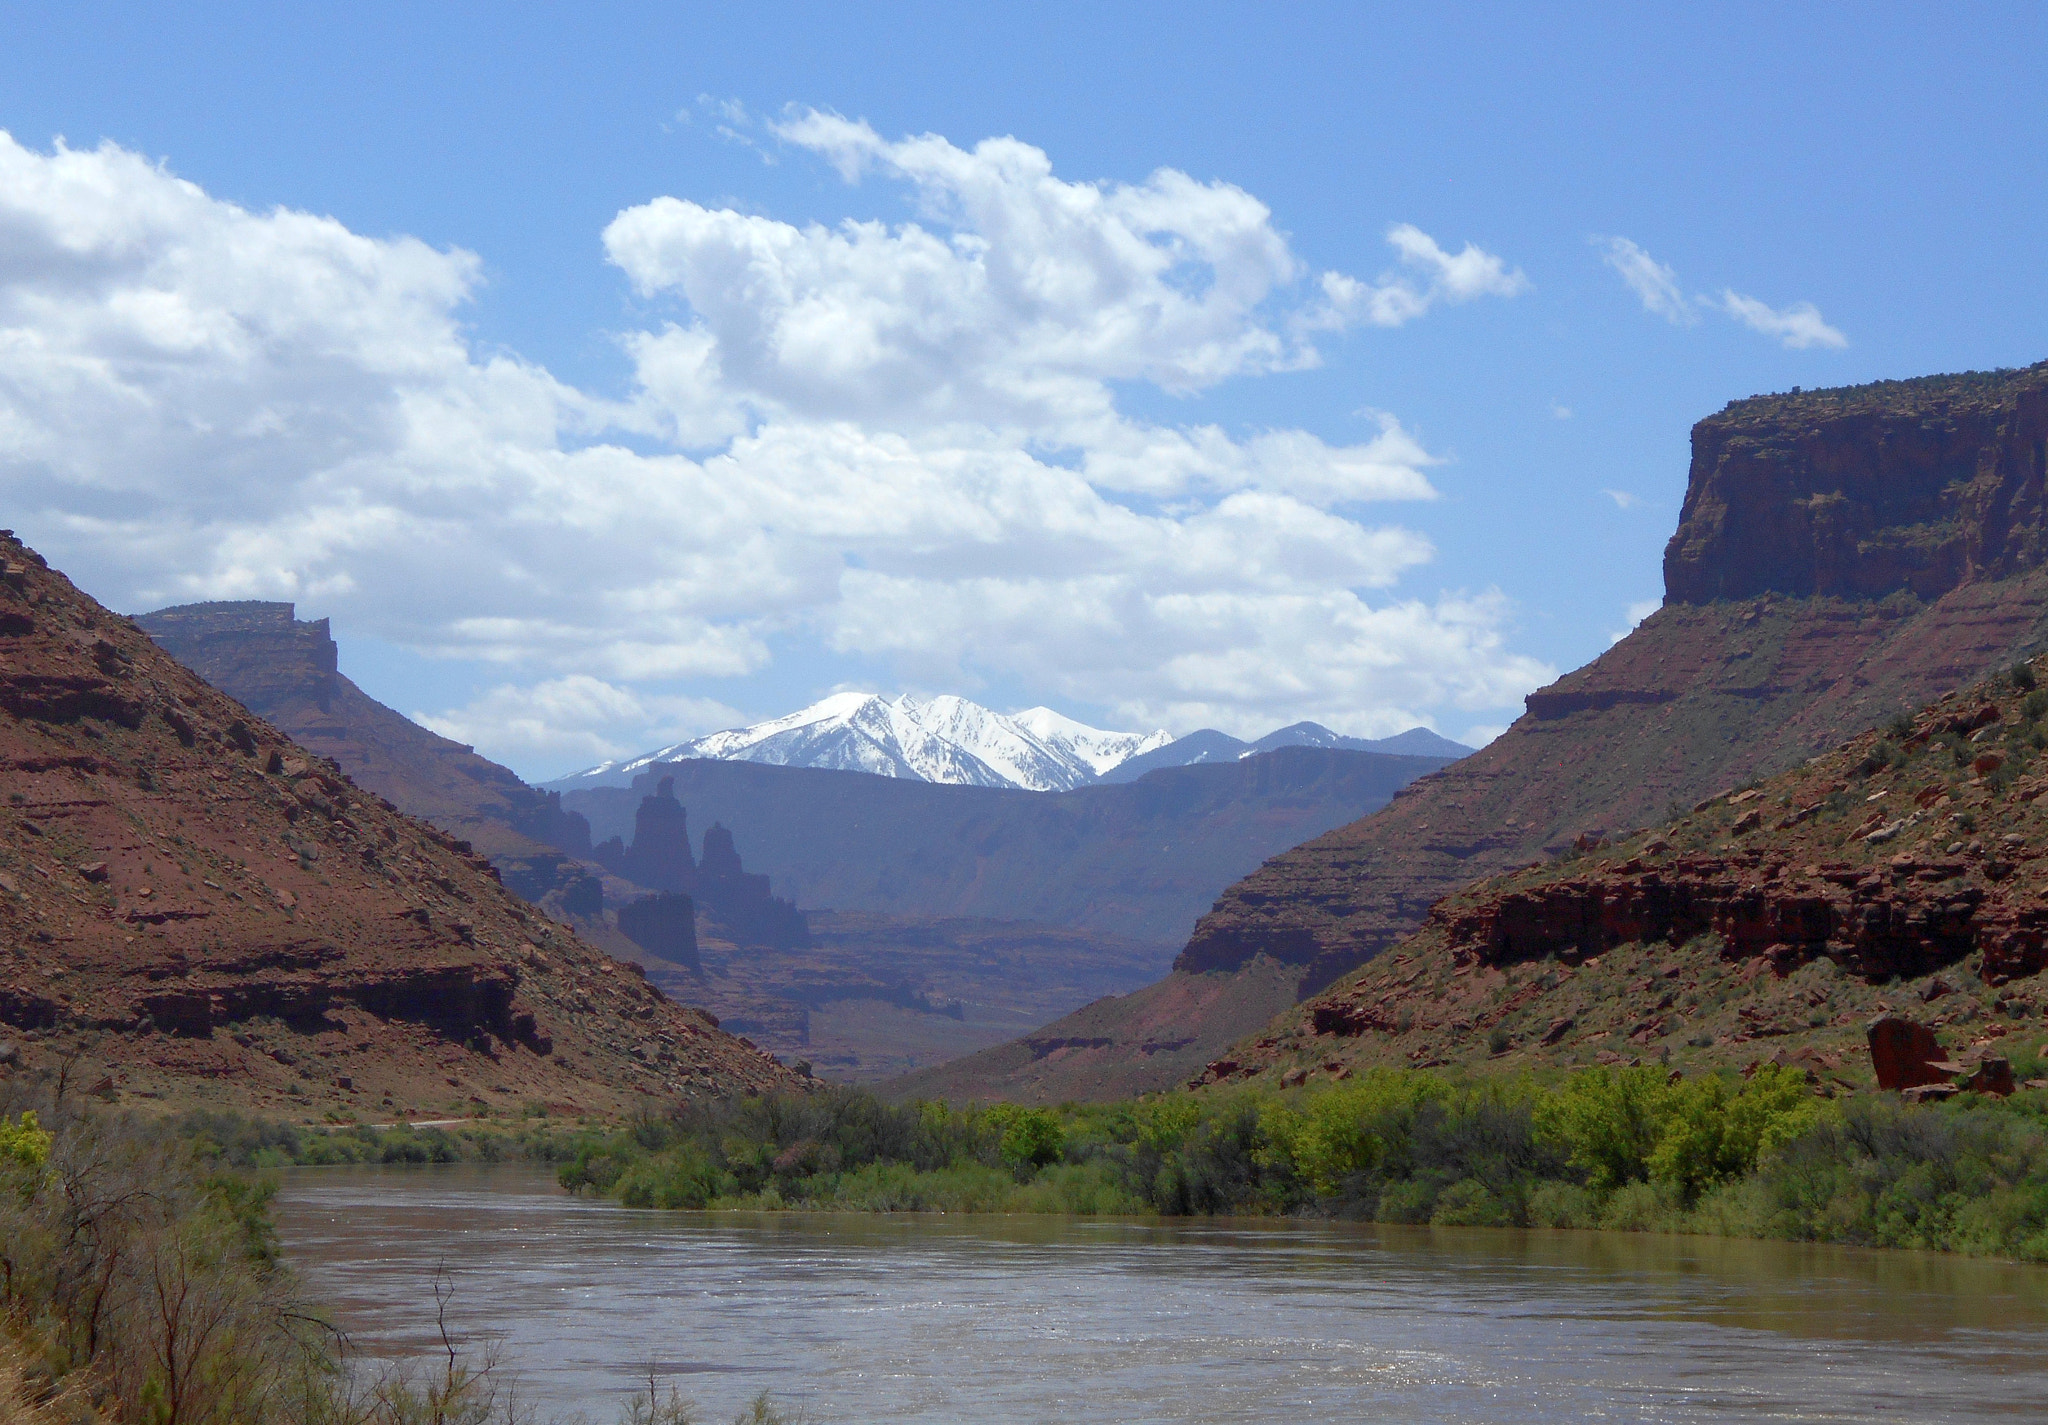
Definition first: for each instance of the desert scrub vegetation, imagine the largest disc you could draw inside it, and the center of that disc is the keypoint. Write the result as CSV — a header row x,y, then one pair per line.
x,y
140,1284
253,1143
1622,1148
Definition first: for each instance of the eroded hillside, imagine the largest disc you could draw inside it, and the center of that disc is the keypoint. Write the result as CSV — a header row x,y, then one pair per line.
x,y
195,909
1907,871
1842,555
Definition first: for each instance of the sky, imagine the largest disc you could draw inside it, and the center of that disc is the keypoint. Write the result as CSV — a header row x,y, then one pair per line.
x,y
614,373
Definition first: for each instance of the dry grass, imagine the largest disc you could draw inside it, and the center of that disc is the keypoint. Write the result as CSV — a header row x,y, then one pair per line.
x,y
26,1397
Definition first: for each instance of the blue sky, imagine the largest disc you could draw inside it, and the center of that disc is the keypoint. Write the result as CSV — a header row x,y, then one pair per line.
x,y
1195,482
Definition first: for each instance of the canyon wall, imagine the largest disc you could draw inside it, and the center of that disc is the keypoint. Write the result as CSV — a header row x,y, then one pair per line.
x,y
1842,555
196,909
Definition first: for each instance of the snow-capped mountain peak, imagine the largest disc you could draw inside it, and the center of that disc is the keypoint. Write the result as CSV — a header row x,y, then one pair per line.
x,y
1100,750
942,739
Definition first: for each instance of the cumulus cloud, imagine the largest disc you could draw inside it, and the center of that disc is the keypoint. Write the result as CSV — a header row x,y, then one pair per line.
x,y
578,718
892,442
1431,276
1798,326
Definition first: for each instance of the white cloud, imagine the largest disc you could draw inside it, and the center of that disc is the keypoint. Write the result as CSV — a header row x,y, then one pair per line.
x,y
1636,613
577,718
1560,412
893,442
1480,735
1653,283
1798,326
1398,297
1623,500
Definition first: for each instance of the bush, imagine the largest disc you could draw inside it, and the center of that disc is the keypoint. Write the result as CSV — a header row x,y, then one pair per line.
x,y
1032,1138
133,1264
682,1176
1629,1149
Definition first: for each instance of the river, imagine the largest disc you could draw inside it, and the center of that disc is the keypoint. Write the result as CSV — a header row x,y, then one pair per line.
x,y
1015,1319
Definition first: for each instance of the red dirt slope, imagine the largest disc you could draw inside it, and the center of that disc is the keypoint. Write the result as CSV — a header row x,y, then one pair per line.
x,y
1907,869
193,909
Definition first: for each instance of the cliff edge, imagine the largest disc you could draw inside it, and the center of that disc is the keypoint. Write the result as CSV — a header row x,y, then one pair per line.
x,y
1842,555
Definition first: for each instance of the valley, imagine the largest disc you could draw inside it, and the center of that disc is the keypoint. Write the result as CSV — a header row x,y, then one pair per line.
x,y
866,924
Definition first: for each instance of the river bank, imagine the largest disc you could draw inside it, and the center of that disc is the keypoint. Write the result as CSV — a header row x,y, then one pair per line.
x,y
1615,1149
1611,1149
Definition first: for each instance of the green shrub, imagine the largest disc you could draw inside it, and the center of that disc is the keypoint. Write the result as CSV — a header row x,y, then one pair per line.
x,y
678,1177
1556,1204
1632,1149
1032,1139
1469,1203
1639,1207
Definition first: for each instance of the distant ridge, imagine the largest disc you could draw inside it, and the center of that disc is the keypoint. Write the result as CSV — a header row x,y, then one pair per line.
x,y
957,742
1209,745
199,911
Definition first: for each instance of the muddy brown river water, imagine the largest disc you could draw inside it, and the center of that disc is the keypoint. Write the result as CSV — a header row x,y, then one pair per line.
x,y
1018,1319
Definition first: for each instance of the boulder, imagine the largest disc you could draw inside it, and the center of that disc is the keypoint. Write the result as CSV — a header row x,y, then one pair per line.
x,y
1905,1055
1993,1076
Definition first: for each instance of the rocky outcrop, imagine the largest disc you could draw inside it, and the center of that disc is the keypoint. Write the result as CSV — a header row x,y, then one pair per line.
x,y
658,856
1696,698
287,670
1905,1055
664,925
1786,628
1907,866
1899,487
1768,651
738,903
1906,917
209,913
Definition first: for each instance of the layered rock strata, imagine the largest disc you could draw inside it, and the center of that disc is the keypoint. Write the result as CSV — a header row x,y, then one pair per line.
x,y
1842,555
204,911
1909,866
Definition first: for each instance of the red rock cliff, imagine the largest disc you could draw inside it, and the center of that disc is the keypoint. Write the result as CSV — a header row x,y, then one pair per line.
x,y
1842,555
1912,487
201,910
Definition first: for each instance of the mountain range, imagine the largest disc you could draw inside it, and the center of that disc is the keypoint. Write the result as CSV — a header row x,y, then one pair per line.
x,y
1140,860
954,741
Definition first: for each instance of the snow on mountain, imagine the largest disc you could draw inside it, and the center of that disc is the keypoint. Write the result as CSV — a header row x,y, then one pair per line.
x,y
943,739
1098,749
